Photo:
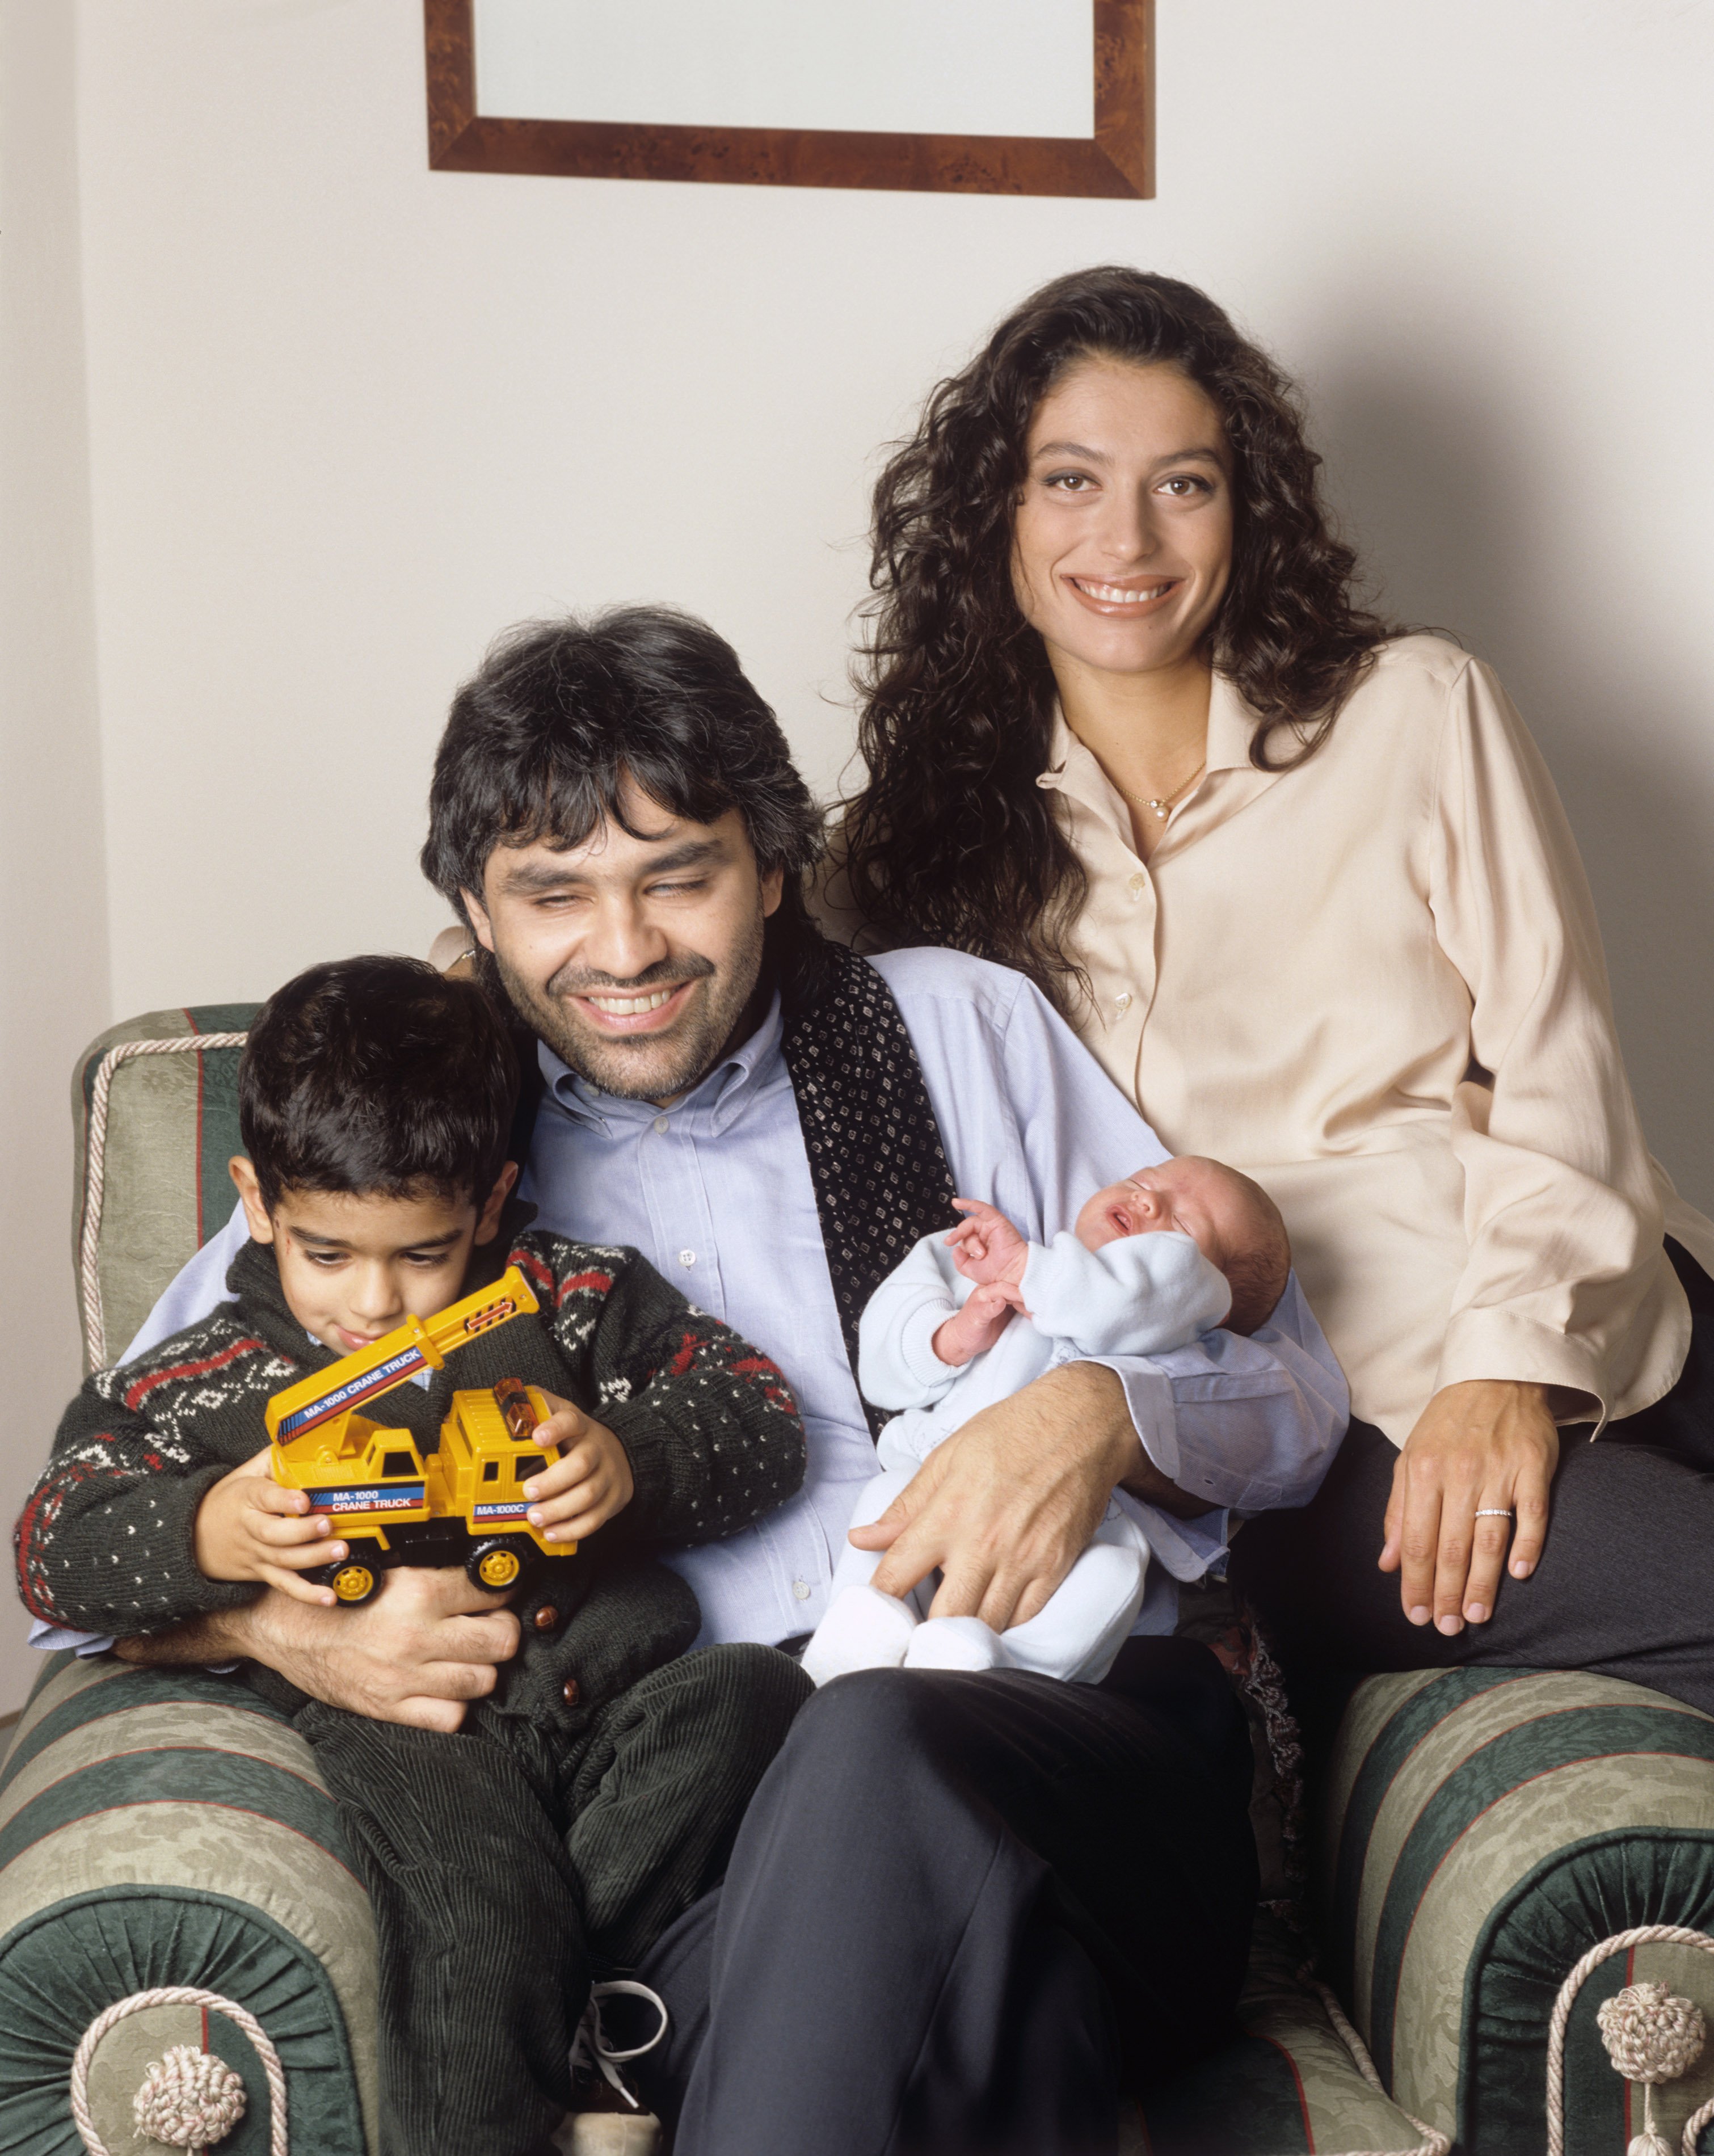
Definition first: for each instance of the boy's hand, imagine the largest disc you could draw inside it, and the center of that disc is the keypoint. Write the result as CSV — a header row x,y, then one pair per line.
x,y
986,1247
587,1485
976,1328
248,1528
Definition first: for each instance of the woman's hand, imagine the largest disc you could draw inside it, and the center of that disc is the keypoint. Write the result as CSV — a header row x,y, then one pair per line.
x,y
587,1485
248,1528
1485,1447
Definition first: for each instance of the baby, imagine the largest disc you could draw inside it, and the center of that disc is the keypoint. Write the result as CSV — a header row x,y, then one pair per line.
x,y
971,1318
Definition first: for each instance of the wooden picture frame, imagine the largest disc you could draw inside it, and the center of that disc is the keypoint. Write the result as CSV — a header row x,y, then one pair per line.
x,y
1118,161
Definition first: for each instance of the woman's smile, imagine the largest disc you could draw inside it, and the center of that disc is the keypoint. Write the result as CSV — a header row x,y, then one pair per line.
x,y
1115,596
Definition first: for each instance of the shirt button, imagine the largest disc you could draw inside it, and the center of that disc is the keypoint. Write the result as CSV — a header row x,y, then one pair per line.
x,y
687,1257
800,1587
660,1122
546,1618
569,1693
1121,1002
1136,886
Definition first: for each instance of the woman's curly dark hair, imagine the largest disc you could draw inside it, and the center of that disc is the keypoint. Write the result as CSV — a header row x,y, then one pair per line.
x,y
951,838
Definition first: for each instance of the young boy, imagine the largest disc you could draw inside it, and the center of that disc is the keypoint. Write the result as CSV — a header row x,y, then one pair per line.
x,y
595,1795
971,1318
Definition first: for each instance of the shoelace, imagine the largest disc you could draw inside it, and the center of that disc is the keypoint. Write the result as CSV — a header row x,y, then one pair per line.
x,y
590,2048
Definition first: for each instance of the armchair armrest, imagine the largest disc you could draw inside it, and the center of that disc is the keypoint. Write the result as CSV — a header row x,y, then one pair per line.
x,y
162,1828
1481,1830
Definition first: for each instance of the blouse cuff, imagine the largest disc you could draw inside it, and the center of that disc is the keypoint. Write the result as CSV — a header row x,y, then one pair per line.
x,y
1500,1343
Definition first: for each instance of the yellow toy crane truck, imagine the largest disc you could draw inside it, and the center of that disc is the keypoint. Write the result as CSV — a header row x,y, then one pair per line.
x,y
389,1503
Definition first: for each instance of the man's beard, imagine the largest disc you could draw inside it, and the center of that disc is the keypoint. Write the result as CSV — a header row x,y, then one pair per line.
x,y
643,1067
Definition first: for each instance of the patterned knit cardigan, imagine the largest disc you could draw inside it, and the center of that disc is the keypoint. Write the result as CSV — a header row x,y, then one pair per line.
x,y
107,1542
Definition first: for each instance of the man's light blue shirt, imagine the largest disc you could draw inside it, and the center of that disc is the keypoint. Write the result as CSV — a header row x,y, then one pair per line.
x,y
716,1192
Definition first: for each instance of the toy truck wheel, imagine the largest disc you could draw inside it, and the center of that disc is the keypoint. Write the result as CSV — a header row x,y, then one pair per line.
x,y
353,1580
497,1564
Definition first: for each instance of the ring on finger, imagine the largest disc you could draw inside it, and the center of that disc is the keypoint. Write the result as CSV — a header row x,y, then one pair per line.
x,y
1493,1512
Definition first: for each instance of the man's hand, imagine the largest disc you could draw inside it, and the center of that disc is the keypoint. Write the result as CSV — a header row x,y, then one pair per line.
x,y
427,1645
985,1245
1006,1505
1488,1445
587,1485
248,1528
970,1331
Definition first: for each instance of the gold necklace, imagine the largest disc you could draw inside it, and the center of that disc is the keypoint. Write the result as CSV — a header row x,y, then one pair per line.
x,y
1163,804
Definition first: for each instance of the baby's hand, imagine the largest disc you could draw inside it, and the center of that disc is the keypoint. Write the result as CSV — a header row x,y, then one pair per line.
x,y
587,1485
973,1329
248,1528
986,1246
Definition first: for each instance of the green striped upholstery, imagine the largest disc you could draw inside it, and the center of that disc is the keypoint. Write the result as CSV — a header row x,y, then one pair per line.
x,y
1287,2086
1481,1830
171,1127
161,1827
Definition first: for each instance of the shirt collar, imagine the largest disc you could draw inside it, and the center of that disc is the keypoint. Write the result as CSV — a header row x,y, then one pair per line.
x,y
1072,770
722,1092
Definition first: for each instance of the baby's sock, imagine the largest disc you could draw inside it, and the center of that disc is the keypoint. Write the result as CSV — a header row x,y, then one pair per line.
x,y
863,1630
956,1643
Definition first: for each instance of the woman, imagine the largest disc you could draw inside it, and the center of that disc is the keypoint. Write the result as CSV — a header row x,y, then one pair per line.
x,y
1303,885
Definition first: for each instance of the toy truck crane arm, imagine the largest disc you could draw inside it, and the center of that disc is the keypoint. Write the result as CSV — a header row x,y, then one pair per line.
x,y
418,1344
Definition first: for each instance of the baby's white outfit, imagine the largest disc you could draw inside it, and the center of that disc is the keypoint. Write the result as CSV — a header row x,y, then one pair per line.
x,y
1141,1295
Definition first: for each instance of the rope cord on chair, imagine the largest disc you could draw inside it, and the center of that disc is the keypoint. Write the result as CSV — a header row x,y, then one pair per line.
x,y
1433,2143
95,1153
1627,2037
188,2099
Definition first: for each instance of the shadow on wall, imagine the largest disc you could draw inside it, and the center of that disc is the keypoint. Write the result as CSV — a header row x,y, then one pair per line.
x,y
1453,497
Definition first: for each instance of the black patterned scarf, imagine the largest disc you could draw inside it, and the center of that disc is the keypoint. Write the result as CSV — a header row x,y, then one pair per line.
x,y
882,1176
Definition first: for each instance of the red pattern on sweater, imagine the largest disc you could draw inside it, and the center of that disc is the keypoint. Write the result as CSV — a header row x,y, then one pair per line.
x,y
135,1395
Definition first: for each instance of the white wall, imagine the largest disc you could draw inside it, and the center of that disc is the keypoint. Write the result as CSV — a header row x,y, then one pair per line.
x,y
348,417
54,944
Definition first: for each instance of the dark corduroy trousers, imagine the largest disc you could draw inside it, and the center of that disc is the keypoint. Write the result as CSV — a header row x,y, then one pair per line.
x,y
1621,1587
962,1912
507,1865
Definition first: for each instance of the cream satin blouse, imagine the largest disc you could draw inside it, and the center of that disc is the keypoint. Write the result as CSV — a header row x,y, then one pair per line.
x,y
1375,983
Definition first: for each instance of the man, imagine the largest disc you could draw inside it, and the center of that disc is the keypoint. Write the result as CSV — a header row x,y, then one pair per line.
x,y
961,1909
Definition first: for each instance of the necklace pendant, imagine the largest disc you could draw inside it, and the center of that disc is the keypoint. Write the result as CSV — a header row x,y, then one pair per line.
x,y
1160,809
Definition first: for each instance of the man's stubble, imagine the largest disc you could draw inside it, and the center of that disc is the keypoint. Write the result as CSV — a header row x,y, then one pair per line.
x,y
658,1068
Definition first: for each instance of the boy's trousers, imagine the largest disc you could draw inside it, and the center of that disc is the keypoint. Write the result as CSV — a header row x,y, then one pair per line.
x,y
509,1865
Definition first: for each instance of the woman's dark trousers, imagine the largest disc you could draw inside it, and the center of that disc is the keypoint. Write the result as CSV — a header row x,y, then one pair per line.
x,y
1625,1586
506,1867
962,1912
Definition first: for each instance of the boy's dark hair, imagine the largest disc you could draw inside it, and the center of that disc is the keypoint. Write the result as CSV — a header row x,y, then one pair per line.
x,y
540,740
377,1075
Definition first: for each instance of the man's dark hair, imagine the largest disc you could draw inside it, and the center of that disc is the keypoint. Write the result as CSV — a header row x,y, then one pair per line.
x,y
541,739
378,1076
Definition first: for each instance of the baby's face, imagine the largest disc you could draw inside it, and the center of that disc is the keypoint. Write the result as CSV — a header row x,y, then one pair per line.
x,y
1196,1198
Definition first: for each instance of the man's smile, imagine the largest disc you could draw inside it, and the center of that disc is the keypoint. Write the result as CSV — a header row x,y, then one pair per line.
x,y
652,1010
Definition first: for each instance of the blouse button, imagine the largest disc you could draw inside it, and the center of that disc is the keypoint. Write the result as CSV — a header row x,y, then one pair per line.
x,y
1121,1002
1137,886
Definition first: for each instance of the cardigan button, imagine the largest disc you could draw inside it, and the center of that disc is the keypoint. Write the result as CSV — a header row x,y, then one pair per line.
x,y
569,1692
546,1618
